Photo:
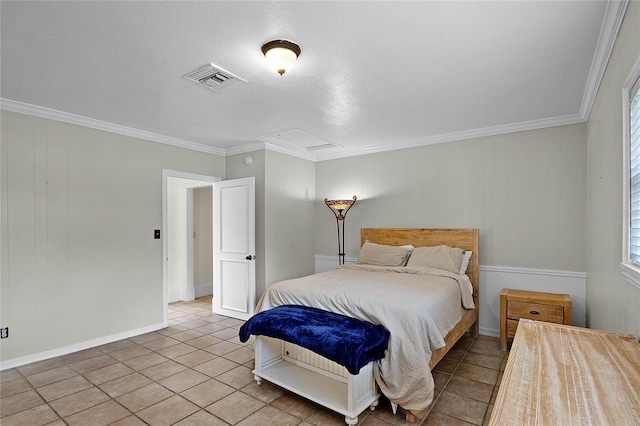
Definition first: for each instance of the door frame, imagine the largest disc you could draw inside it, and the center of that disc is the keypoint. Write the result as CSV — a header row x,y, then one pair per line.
x,y
167,173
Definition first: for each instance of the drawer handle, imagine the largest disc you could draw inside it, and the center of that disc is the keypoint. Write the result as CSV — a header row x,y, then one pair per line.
x,y
534,312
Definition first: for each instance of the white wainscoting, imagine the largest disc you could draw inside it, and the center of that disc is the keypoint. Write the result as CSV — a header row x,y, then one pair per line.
x,y
326,263
494,278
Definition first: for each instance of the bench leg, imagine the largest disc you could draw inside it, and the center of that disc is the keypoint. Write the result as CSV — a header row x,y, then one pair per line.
x,y
374,404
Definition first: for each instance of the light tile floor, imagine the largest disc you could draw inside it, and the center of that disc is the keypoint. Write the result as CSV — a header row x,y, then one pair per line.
x,y
196,372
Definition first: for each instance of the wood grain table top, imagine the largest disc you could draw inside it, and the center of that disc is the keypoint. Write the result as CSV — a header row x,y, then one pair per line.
x,y
563,375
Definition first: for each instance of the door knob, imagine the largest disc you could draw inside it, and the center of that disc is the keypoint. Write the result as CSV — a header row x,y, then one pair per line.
x,y
250,257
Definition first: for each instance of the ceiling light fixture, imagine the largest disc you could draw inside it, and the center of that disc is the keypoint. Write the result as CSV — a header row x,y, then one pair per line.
x,y
281,54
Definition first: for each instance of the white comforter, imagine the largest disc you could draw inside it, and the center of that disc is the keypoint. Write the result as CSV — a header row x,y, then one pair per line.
x,y
418,305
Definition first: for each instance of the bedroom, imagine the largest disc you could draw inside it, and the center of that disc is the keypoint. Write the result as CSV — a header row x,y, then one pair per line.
x,y
91,268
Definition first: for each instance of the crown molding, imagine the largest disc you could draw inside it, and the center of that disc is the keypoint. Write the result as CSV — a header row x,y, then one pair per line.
x,y
608,33
43,112
51,114
460,136
243,149
65,117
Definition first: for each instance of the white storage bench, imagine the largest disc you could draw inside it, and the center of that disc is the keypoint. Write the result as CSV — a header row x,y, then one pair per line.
x,y
314,377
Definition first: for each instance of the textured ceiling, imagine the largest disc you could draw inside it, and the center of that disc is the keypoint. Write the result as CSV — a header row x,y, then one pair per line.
x,y
371,76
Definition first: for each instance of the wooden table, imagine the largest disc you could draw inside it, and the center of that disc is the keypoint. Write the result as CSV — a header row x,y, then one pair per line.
x,y
562,375
534,305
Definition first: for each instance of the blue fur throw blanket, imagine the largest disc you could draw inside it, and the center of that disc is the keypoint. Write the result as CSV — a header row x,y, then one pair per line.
x,y
348,341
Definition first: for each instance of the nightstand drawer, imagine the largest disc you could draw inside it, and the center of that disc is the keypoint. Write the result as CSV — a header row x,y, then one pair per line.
x,y
532,305
535,311
511,328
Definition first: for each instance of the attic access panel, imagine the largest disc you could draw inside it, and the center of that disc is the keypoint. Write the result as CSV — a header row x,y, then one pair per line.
x,y
299,140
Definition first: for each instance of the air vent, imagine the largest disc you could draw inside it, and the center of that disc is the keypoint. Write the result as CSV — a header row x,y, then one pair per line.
x,y
215,78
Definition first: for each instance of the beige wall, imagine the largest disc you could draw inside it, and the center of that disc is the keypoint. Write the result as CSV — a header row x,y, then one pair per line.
x,y
285,188
78,210
612,303
525,192
289,207
202,242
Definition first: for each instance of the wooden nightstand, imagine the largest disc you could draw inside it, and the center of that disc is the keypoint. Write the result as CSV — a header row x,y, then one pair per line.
x,y
534,305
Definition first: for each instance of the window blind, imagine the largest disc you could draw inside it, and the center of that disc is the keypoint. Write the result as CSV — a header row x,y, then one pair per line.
x,y
634,155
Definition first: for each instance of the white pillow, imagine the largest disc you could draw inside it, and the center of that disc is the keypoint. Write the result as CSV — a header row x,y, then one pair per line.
x,y
465,262
383,255
439,257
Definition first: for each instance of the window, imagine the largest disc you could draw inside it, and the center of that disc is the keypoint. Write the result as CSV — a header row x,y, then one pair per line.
x,y
631,136
634,175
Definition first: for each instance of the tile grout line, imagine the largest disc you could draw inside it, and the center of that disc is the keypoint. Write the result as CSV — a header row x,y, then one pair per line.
x,y
93,385
199,312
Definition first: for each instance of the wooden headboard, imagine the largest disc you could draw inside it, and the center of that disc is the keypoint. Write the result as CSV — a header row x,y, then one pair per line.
x,y
464,238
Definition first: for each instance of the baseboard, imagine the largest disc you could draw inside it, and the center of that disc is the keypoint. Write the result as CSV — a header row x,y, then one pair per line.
x,y
203,290
489,332
174,296
65,350
195,292
187,294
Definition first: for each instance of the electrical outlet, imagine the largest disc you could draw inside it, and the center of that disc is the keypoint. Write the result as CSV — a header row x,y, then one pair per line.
x,y
156,234
4,332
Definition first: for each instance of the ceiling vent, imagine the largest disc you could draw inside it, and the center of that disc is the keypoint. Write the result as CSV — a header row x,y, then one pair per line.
x,y
215,78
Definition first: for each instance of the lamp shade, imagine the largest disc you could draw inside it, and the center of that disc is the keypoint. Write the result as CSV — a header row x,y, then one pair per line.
x,y
340,204
281,54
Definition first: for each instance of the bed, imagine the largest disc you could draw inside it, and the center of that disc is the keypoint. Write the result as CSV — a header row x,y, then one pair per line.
x,y
425,309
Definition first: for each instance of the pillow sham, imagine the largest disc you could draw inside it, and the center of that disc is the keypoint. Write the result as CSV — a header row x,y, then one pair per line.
x,y
465,262
440,257
382,255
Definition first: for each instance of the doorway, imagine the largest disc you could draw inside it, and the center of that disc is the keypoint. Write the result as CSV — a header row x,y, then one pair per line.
x,y
199,242
185,236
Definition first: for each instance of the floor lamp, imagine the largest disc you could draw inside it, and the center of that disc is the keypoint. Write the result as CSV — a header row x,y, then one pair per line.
x,y
340,209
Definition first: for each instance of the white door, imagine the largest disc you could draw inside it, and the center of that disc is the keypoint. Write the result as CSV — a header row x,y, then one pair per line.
x,y
234,271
